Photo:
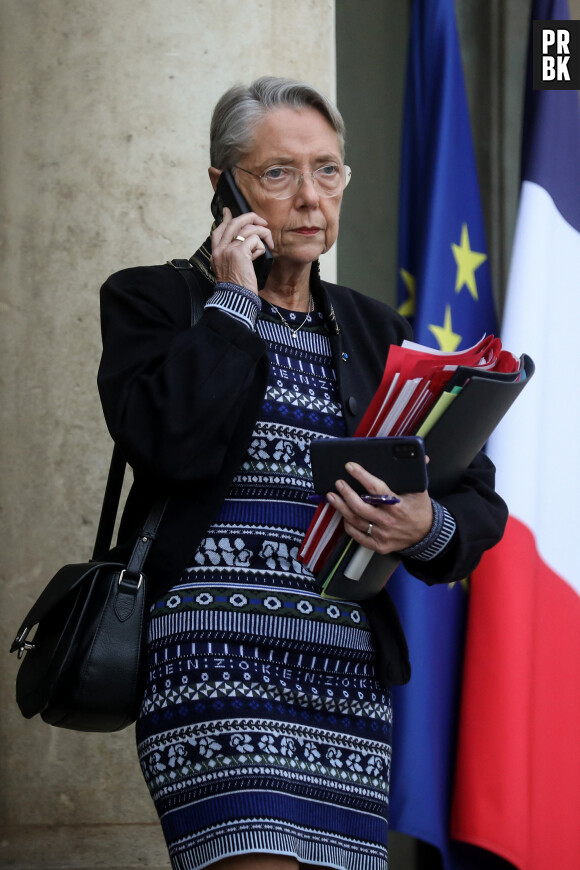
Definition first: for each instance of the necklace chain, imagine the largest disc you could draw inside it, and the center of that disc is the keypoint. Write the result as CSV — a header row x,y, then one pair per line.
x,y
298,328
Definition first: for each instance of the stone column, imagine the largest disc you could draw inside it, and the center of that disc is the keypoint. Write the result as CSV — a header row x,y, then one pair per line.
x,y
104,126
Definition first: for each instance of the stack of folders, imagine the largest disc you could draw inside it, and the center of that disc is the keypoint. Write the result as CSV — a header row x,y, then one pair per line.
x,y
453,401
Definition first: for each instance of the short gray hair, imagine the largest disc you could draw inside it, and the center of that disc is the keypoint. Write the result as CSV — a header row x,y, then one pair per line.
x,y
241,107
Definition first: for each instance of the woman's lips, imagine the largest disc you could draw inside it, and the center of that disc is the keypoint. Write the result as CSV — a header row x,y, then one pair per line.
x,y
307,231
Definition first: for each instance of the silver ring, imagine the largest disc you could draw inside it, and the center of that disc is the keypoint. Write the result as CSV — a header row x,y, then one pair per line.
x,y
239,239
369,531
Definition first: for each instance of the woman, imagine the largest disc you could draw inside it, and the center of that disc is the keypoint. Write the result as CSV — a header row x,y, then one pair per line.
x,y
264,734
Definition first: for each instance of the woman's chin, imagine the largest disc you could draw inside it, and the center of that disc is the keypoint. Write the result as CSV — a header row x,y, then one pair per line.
x,y
302,252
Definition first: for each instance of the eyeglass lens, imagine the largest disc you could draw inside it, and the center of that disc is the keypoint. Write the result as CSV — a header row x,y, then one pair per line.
x,y
285,181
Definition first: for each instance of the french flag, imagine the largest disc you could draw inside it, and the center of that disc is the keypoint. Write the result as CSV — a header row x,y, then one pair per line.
x,y
517,783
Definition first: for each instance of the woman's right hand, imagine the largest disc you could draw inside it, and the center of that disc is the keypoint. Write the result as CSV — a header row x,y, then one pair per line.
x,y
232,259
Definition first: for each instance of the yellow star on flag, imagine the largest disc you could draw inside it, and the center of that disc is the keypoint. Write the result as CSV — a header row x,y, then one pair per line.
x,y
467,262
465,584
407,308
447,339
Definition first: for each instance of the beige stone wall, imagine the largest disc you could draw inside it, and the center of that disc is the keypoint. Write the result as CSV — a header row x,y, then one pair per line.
x,y
104,116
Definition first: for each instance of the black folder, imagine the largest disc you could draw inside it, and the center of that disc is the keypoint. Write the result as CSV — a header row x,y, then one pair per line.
x,y
461,432
451,445
333,582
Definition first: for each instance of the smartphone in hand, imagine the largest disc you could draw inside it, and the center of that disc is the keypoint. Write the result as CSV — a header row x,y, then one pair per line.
x,y
398,460
229,195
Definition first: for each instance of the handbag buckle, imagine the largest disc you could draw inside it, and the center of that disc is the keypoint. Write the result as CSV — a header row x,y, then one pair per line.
x,y
21,645
122,576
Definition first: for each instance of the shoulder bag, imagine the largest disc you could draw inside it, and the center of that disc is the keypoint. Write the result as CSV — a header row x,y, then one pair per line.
x,y
82,667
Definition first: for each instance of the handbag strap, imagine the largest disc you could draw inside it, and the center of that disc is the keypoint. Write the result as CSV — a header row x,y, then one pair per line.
x,y
144,541
188,272
118,464
110,506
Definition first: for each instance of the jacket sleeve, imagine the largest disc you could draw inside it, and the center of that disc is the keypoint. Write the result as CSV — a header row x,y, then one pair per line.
x,y
480,515
172,393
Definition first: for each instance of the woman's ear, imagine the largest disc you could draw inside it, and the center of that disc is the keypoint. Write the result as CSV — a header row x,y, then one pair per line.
x,y
214,175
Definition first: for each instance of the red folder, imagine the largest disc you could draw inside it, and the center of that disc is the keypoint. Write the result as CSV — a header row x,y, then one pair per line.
x,y
484,380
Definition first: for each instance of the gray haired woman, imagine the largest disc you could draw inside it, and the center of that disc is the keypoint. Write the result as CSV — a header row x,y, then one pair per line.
x,y
265,729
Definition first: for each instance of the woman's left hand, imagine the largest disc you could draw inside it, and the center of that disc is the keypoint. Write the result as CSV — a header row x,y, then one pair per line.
x,y
387,528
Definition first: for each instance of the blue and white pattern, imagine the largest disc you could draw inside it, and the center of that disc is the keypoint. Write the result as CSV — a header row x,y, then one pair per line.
x,y
263,727
238,302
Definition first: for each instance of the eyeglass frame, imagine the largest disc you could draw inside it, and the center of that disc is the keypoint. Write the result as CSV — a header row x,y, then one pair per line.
x,y
347,171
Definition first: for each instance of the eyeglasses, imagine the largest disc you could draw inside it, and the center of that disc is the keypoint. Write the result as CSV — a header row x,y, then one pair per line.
x,y
282,182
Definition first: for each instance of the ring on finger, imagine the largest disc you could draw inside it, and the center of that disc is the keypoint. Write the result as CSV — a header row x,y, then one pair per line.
x,y
239,239
369,531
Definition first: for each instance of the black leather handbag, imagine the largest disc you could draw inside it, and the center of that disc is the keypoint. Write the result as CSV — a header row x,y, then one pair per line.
x,y
82,667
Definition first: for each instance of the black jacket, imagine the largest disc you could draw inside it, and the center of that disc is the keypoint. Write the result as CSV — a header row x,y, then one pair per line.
x,y
182,401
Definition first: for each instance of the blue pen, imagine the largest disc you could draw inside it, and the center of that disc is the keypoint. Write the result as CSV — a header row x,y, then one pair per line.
x,y
366,497
379,499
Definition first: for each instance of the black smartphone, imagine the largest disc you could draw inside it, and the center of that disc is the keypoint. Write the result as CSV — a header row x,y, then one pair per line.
x,y
228,195
398,460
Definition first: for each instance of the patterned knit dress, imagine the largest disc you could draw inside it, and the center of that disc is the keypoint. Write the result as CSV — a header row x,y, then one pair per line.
x,y
263,727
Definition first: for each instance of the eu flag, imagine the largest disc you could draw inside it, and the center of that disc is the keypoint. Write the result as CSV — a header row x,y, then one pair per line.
x,y
445,290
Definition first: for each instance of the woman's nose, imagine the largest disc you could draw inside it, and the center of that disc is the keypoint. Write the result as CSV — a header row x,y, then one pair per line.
x,y
307,191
